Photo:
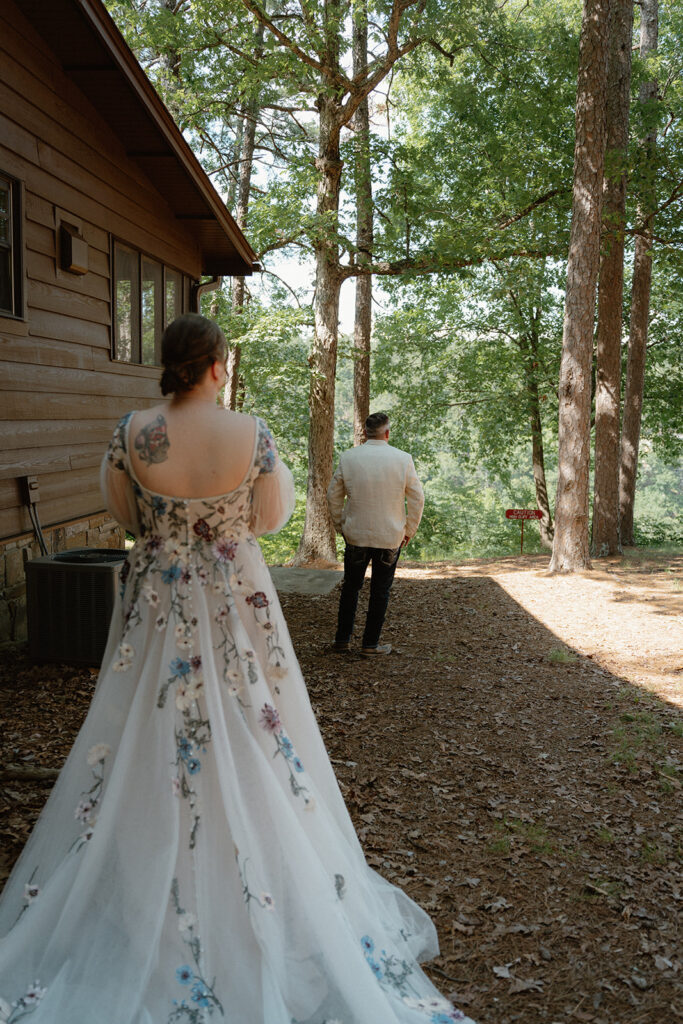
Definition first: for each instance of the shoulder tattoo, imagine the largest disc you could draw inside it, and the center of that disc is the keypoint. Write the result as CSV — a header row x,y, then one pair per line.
x,y
152,442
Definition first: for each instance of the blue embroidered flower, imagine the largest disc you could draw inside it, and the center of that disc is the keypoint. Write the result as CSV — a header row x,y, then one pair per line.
x,y
193,765
159,505
298,764
440,1018
374,967
200,993
184,748
184,974
179,667
367,944
173,573
286,746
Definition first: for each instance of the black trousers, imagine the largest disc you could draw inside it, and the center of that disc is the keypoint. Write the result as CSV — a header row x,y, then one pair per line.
x,y
356,561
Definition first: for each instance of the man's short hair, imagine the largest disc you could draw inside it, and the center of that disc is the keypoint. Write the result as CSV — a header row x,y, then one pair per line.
x,y
376,423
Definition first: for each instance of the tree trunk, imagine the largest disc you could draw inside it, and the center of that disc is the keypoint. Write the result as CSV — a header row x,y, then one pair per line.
x,y
640,306
611,286
364,237
247,134
537,453
570,544
318,540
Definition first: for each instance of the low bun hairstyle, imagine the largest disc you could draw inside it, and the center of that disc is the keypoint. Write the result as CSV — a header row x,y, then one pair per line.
x,y
189,345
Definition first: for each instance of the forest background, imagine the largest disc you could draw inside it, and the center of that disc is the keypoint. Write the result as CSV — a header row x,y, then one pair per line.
x,y
446,206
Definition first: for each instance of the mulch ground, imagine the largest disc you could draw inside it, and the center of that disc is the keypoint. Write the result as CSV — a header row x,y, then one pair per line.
x,y
502,766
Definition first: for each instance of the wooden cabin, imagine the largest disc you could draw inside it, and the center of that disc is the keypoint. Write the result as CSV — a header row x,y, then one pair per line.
x,y
107,225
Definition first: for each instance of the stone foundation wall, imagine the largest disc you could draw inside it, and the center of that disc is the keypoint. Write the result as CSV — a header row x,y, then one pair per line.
x,y
99,531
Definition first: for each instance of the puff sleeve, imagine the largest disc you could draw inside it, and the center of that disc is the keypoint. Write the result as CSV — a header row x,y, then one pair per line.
x,y
115,483
273,498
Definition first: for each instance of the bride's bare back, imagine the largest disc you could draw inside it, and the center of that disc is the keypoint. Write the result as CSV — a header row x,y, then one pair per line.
x,y
191,449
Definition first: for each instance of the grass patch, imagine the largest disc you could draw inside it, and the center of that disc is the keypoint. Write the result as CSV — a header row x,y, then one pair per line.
x,y
605,836
652,853
561,656
637,733
530,834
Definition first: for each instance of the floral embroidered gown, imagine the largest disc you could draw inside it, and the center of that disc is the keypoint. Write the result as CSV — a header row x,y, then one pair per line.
x,y
195,861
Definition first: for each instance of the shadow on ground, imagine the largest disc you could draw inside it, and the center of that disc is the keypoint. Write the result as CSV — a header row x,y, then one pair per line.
x,y
527,798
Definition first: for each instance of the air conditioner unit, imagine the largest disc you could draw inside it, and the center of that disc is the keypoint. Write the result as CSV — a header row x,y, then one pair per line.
x,y
69,603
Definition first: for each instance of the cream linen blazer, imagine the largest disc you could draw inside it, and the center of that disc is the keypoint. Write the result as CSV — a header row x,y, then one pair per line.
x,y
378,482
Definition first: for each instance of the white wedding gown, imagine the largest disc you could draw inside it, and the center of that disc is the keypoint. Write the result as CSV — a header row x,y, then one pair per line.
x,y
195,861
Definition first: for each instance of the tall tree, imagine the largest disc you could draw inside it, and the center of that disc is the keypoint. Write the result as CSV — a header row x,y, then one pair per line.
x,y
571,542
362,328
640,299
316,41
605,527
247,140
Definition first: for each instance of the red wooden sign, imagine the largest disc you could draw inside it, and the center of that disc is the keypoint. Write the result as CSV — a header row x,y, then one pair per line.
x,y
523,513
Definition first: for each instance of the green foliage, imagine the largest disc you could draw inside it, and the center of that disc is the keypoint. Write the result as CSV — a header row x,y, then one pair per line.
x,y
477,164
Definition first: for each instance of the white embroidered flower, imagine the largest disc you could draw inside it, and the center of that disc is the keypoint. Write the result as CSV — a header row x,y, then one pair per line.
x,y
122,665
126,651
309,805
234,581
179,631
160,622
202,576
249,655
34,994
195,688
219,587
98,753
186,922
222,614
176,549
31,892
267,901
150,596
185,644
88,834
234,689
233,675
183,697
277,671
175,786
84,810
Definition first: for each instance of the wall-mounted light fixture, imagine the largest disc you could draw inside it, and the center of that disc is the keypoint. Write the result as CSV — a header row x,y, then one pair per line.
x,y
73,250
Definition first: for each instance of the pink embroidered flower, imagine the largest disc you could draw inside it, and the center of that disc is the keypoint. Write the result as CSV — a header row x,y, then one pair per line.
x,y
258,600
224,550
269,719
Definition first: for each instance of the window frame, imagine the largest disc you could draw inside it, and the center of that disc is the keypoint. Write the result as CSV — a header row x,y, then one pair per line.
x,y
184,282
15,246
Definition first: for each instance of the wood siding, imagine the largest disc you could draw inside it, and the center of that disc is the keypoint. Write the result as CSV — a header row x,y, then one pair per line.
x,y
60,391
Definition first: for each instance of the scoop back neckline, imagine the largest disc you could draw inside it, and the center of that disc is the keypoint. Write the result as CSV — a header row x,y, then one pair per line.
x,y
178,497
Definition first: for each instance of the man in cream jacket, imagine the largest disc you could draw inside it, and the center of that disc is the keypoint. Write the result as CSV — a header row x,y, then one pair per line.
x,y
378,482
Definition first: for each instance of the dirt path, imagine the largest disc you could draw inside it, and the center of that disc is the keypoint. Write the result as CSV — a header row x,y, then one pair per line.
x,y
516,767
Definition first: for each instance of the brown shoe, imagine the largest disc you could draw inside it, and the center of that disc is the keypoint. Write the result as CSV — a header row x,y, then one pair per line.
x,y
369,652
340,646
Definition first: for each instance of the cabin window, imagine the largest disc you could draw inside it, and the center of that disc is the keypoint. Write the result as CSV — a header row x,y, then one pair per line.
x,y
147,296
10,247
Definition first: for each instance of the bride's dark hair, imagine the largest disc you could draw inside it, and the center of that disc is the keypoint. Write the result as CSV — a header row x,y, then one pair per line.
x,y
189,345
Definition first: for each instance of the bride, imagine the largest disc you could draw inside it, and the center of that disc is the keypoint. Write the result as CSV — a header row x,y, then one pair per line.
x,y
195,861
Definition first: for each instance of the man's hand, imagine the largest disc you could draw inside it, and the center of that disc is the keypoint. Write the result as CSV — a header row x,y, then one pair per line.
x,y
406,540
